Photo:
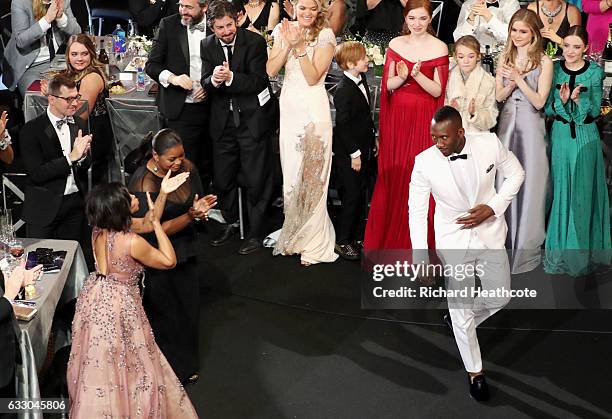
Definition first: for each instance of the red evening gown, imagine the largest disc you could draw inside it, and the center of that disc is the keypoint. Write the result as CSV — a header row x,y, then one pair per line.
x,y
405,118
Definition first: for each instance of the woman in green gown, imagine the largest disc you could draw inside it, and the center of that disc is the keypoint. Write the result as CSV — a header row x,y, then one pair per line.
x,y
578,233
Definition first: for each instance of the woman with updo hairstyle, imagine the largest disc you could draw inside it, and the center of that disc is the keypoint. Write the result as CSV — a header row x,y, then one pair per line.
x,y
413,85
471,89
523,79
113,348
172,298
578,230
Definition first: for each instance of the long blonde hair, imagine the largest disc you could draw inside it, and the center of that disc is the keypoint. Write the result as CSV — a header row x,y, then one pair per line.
x,y
95,66
536,49
39,9
311,34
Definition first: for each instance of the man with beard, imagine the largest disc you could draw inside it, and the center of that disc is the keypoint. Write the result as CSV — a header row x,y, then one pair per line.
x,y
175,63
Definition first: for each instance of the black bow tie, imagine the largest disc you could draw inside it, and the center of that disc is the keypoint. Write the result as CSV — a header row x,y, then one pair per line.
x,y
66,120
458,156
496,4
200,27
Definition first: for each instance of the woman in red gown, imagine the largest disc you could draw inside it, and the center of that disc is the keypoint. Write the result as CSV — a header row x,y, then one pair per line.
x,y
413,85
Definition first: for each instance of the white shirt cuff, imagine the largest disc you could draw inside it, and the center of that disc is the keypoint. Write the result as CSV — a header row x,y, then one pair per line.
x,y
69,161
229,82
44,25
163,78
62,22
214,83
356,154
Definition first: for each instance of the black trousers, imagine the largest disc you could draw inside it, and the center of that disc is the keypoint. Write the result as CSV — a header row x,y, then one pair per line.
x,y
68,224
241,160
192,127
8,392
353,186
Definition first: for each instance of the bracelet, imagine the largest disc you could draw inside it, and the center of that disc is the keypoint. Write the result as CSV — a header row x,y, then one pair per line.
x,y
5,142
298,56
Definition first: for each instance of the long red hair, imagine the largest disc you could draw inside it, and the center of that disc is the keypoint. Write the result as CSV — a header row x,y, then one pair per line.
x,y
416,4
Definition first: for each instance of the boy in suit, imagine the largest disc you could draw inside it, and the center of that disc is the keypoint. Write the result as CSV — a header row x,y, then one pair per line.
x,y
353,144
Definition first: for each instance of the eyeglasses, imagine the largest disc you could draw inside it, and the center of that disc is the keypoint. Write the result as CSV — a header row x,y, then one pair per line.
x,y
69,99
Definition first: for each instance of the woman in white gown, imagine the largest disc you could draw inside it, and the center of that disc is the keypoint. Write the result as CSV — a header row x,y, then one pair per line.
x,y
305,48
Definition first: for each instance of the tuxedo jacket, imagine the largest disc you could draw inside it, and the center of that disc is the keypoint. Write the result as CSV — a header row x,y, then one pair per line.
x,y
48,169
354,128
250,81
432,174
170,52
148,15
9,342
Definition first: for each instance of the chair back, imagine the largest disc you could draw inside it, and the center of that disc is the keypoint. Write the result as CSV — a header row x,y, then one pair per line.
x,y
131,123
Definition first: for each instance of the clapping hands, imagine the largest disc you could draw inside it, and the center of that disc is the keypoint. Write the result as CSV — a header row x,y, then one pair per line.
x,y
201,206
171,184
565,95
3,123
416,69
402,70
222,73
291,34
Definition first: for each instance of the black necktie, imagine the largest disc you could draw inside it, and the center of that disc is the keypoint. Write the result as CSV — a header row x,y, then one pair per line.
x,y
229,53
458,156
50,43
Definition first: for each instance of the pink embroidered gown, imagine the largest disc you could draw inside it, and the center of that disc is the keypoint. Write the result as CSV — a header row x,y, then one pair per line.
x,y
116,369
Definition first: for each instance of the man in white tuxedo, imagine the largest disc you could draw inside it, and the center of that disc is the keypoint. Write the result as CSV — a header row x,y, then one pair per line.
x,y
459,170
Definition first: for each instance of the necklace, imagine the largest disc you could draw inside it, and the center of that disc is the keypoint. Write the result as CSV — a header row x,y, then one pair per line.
x,y
254,4
551,14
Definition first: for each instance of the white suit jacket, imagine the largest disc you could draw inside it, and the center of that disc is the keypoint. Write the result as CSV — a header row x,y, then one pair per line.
x,y
432,174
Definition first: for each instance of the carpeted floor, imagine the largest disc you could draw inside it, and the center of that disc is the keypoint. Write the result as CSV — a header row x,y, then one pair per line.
x,y
282,341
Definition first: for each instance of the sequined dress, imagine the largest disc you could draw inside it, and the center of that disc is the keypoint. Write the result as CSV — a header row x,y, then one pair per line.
x,y
116,369
305,139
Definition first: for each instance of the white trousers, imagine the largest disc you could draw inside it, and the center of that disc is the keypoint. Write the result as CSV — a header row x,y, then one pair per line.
x,y
493,269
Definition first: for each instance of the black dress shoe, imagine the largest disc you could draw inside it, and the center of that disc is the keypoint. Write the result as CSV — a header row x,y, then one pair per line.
x,y
250,246
347,251
224,236
448,321
479,390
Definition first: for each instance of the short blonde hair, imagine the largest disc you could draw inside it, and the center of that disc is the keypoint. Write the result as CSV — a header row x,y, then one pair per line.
x,y
349,52
467,41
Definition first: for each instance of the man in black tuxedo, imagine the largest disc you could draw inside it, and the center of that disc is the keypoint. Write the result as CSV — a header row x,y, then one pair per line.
x,y
244,113
10,355
149,13
175,62
353,145
55,155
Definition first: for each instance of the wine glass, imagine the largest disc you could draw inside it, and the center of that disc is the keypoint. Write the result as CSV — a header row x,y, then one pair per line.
x,y
16,249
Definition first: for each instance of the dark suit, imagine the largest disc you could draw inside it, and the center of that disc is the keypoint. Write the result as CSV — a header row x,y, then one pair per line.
x,y
354,131
170,52
48,213
149,15
9,346
241,138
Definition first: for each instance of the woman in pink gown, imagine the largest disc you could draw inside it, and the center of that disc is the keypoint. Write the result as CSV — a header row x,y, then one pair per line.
x,y
115,368
413,85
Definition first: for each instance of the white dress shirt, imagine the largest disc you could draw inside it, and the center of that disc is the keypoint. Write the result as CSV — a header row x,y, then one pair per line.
x,y
195,60
491,33
465,173
43,52
64,136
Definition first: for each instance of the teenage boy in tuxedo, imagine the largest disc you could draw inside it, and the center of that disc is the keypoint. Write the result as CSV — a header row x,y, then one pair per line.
x,y
353,144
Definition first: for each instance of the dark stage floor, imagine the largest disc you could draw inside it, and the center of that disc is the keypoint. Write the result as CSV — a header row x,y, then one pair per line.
x,y
282,341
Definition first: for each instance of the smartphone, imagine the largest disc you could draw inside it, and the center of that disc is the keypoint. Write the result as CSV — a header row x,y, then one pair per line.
x,y
31,260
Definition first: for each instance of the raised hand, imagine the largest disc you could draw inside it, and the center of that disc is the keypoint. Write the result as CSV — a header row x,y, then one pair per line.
x,y
416,69
81,146
455,103
60,8
171,184
564,93
291,33
152,215
201,206
51,14
288,6
44,87
402,70
183,81
472,107
576,94
3,123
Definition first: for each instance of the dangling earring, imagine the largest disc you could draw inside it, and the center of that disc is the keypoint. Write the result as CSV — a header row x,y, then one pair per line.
x,y
155,169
